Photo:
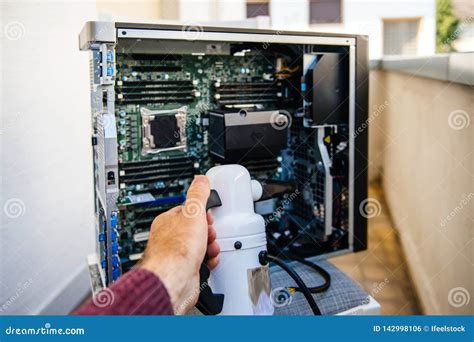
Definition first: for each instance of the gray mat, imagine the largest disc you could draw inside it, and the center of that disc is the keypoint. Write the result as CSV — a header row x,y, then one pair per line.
x,y
343,294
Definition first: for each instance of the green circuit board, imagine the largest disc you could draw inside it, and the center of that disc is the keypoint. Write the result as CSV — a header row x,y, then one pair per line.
x,y
153,183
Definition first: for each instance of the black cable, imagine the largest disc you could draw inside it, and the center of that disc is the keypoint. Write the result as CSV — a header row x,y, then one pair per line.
x,y
318,269
265,257
321,271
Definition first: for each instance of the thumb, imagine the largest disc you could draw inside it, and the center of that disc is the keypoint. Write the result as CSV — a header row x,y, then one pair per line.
x,y
196,197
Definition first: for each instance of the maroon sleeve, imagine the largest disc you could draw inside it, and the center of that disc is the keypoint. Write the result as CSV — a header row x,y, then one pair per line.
x,y
138,292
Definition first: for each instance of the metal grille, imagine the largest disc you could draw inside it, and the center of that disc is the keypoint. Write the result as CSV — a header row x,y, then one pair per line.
x,y
309,207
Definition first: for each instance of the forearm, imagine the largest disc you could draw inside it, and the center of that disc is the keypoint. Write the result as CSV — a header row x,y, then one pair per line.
x,y
138,292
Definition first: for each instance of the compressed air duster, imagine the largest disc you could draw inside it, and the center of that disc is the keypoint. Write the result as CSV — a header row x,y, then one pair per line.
x,y
240,284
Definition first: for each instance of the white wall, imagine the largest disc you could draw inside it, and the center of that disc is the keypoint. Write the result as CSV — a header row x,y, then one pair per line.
x,y
199,12
230,10
427,177
289,15
119,10
46,195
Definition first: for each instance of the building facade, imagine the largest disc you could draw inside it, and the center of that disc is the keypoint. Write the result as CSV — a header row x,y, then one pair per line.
x,y
395,27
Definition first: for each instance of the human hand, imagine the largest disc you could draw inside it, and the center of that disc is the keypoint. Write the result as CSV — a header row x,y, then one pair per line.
x,y
179,239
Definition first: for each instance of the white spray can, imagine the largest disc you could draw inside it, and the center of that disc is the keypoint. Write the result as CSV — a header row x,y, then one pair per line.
x,y
239,276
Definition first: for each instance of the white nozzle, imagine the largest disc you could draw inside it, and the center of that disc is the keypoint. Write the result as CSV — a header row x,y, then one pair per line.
x,y
257,190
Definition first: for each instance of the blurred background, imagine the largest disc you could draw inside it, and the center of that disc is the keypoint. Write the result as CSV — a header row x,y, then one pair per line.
x,y
421,164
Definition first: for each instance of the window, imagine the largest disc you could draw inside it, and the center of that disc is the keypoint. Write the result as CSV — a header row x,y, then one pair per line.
x,y
256,8
400,37
325,11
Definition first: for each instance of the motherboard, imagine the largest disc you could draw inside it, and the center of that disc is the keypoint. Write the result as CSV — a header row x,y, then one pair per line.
x,y
183,90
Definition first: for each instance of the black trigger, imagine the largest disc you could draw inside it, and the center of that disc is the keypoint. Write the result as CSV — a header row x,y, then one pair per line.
x,y
214,200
